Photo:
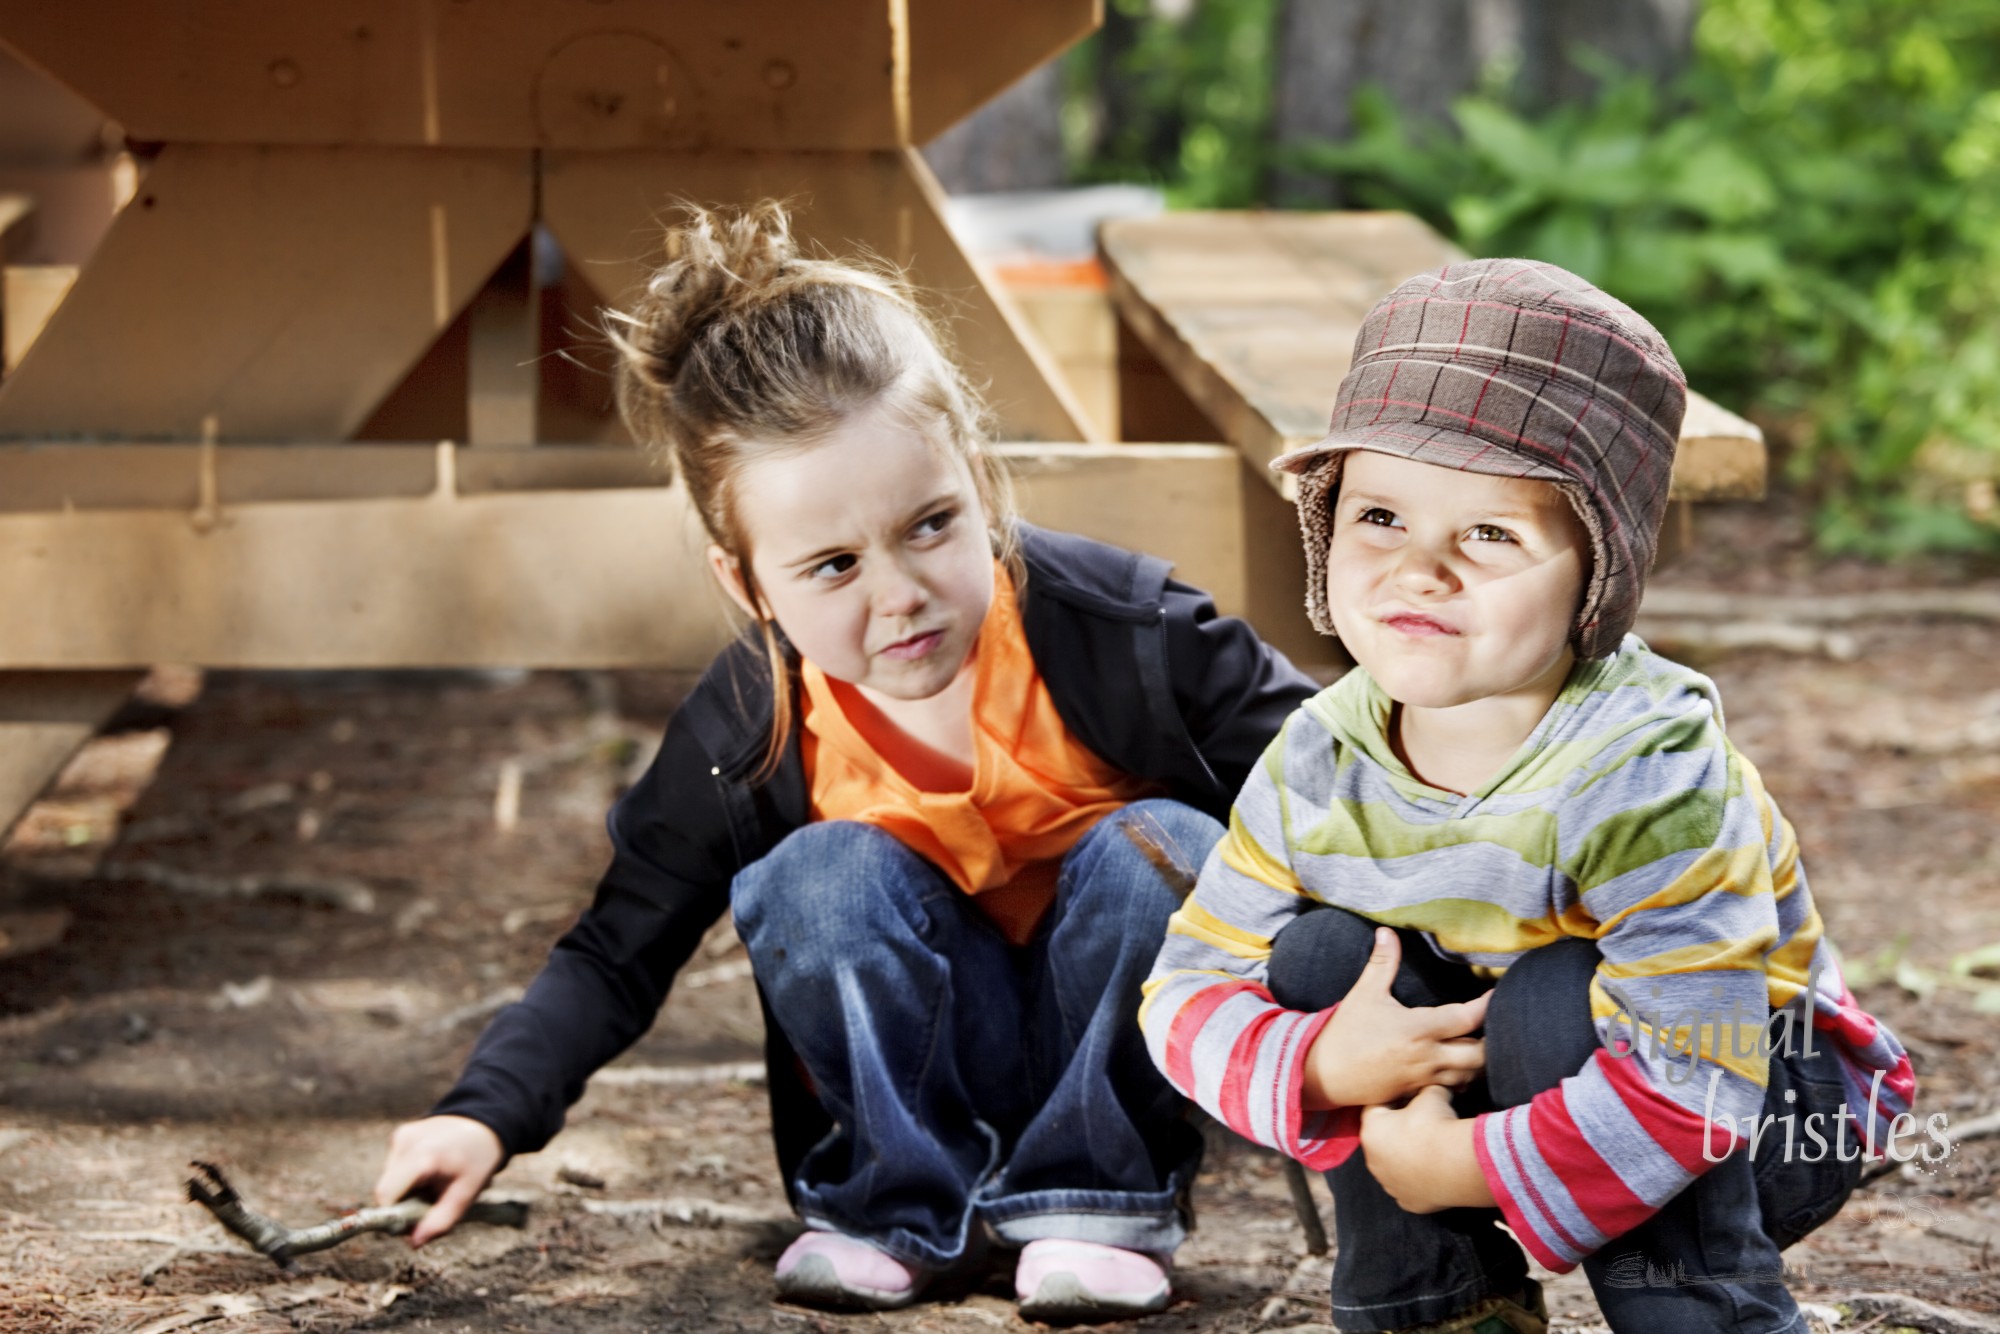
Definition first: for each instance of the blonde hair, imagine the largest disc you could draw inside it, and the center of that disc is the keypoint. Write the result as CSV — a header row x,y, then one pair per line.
x,y
740,347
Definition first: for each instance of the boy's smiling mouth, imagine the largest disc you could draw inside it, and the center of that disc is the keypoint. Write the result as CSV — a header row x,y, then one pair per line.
x,y
1417,624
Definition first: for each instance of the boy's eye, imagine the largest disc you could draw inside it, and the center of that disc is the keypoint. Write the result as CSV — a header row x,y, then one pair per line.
x,y
831,568
1490,532
1375,514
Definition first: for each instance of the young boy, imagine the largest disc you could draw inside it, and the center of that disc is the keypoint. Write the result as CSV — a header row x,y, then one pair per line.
x,y
1513,816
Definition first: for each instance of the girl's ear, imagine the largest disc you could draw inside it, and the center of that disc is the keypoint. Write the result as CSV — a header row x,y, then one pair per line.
x,y
729,573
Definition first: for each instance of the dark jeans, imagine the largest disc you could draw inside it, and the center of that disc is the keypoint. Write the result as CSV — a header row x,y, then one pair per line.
x,y
970,1080
1707,1261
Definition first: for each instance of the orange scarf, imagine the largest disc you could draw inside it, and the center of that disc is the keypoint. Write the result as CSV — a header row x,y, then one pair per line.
x,y
1035,789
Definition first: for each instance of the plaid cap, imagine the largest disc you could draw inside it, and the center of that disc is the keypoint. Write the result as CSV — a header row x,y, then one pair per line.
x,y
1519,369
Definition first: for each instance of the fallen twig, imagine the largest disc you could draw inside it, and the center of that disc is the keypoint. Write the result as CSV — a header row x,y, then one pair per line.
x,y
333,891
212,1191
1980,1127
479,1009
1718,636
1829,609
685,1210
673,1076
1915,1313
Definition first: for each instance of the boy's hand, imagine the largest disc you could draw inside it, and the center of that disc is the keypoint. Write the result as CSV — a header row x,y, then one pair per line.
x,y
1377,1050
453,1156
1422,1154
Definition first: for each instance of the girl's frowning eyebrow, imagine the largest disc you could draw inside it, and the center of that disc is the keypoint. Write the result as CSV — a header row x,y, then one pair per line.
x,y
824,554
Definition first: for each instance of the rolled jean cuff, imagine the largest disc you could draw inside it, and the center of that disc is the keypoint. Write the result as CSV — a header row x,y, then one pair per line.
x,y
1153,1222
901,1244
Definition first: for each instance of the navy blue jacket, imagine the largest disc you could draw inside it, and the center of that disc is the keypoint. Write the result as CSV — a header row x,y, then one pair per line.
x,y
1142,671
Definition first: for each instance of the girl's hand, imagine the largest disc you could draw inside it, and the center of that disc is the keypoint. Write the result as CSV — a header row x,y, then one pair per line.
x,y
1422,1154
1377,1050
450,1157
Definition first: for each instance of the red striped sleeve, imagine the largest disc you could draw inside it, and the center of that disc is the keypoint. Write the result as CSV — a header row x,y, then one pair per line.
x,y
1187,1025
1605,1200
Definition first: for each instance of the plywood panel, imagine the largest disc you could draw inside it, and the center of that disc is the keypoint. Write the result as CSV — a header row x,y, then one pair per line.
x,y
284,293
963,55
44,718
606,209
678,74
544,579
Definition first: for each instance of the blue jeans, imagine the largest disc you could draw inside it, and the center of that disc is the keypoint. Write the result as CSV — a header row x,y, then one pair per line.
x,y
1707,1262
970,1080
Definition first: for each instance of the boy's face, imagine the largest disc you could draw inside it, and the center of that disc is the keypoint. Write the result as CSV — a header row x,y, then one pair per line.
x,y
1452,586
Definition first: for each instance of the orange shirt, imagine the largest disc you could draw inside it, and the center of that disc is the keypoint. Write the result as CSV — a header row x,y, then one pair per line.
x,y
1035,789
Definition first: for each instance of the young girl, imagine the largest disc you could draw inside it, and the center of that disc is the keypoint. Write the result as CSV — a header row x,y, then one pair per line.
x,y
906,780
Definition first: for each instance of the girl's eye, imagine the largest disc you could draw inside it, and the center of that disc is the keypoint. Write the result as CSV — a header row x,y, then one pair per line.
x,y
1375,514
933,524
1490,532
831,568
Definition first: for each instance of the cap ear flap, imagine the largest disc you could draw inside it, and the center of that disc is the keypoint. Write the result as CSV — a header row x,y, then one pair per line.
x,y
1317,491
1594,625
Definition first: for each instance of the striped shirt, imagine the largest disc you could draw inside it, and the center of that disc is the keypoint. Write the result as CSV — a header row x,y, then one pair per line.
x,y
1626,818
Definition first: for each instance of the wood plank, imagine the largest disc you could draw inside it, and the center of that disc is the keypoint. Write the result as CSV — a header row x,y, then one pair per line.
x,y
45,717
546,579
29,299
1254,316
17,225
962,56
605,209
503,326
662,74
282,293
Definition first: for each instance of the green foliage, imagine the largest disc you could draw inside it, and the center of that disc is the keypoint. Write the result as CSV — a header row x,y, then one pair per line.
x,y
1812,217
1186,104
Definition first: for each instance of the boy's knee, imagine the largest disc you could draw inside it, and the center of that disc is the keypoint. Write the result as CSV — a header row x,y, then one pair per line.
x,y
1317,957
1538,1025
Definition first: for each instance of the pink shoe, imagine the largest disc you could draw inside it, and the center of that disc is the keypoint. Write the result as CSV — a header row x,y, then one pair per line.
x,y
833,1269
1083,1280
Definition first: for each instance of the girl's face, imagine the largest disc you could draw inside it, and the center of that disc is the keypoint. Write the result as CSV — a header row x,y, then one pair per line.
x,y
870,551
1452,587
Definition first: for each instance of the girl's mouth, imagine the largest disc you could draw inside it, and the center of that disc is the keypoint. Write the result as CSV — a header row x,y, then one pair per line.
x,y
1417,624
916,646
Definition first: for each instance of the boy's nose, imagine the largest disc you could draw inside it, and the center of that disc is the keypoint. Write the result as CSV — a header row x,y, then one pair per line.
x,y
1420,567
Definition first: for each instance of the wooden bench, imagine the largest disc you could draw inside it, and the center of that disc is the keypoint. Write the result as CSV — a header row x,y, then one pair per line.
x,y
1237,327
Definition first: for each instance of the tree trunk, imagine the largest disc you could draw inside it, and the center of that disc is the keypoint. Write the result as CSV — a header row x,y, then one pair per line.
x,y
1426,53
1421,52
1654,37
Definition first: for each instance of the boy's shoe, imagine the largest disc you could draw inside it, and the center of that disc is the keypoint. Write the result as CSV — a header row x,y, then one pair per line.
x,y
833,1269
1522,1313
1084,1280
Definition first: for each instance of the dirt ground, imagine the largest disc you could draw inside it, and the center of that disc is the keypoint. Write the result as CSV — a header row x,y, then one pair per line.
x,y
286,903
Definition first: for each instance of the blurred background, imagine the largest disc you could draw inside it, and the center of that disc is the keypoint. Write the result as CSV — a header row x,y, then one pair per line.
x,y
1804,195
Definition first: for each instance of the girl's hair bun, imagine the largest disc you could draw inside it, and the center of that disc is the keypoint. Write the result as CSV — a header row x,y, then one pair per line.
x,y
737,329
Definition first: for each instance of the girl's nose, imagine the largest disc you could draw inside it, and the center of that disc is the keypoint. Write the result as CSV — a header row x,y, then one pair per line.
x,y
898,592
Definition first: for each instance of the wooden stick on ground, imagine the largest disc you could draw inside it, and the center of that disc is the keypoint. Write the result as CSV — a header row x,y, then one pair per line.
x,y
212,1191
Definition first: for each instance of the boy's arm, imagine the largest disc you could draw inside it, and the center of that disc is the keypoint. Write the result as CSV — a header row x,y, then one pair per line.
x,y
1209,1020
1672,862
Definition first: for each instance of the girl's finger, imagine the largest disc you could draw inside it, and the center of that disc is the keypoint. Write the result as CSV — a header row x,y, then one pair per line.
x,y
399,1174
450,1207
